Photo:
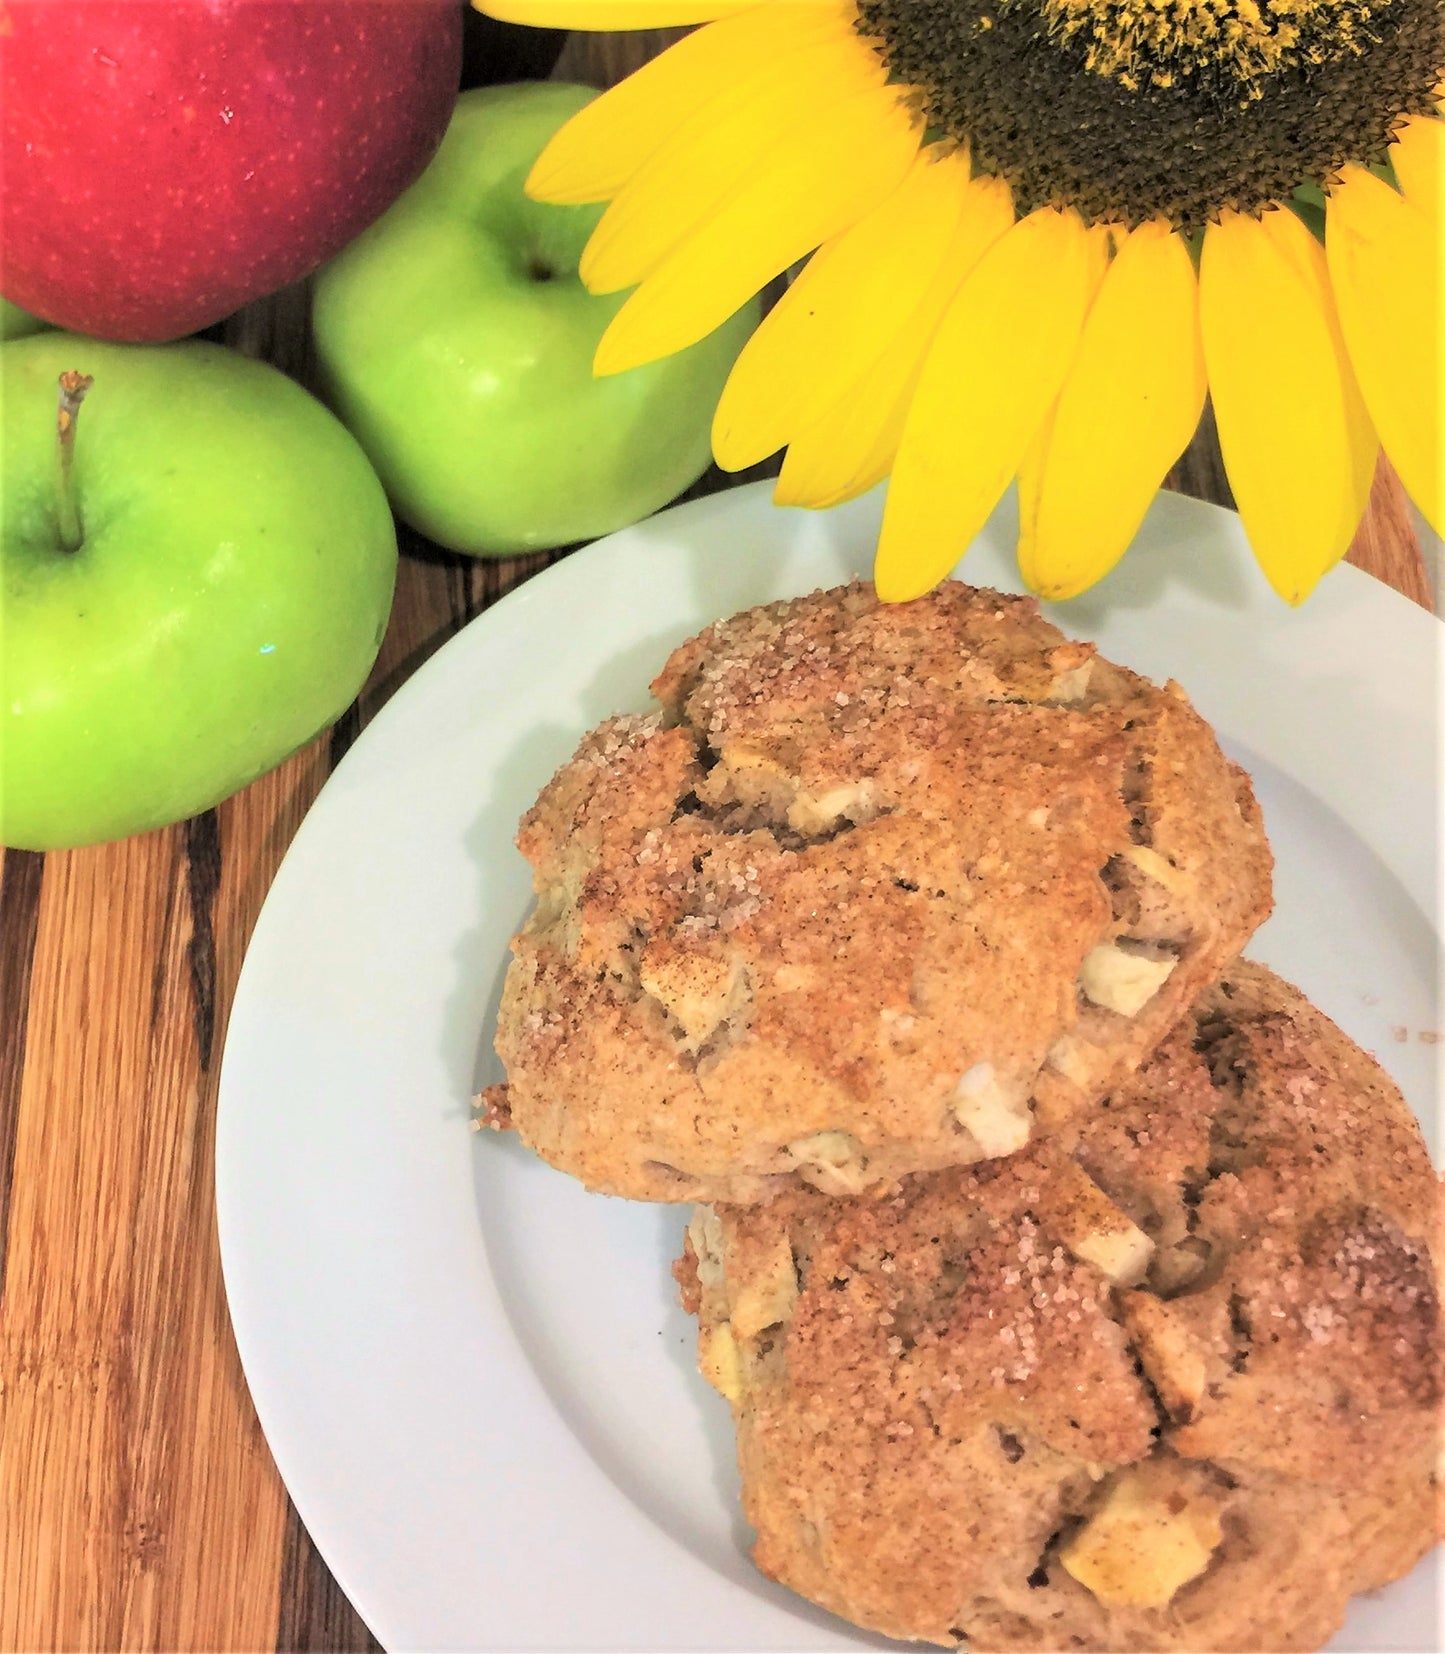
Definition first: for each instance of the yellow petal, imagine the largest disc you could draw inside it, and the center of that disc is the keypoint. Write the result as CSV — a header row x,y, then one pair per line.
x,y
852,448
996,365
1126,412
840,166
851,445
1030,487
1385,267
604,144
1418,154
1297,442
608,14
735,138
839,315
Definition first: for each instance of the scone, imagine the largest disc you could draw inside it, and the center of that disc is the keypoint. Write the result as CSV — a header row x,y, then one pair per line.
x,y
878,890
1168,1381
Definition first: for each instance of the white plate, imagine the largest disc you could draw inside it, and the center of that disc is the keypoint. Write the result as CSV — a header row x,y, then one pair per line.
x,y
474,1376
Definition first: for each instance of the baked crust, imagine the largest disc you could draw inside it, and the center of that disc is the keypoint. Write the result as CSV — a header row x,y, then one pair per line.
x,y
880,889
954,1426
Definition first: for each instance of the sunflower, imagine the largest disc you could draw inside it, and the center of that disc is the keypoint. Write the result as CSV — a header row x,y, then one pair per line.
x,y
1041,233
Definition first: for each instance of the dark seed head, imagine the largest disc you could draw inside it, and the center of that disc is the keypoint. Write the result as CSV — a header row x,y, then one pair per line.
x,y
1129,111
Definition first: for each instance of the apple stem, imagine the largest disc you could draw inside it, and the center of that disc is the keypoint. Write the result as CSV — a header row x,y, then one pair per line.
x,y
73,387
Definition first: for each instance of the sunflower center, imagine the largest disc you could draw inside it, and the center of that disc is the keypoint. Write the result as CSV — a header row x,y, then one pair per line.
x,y
1136,109
1160,42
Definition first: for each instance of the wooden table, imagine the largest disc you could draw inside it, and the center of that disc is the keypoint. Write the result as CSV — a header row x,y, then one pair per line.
x,y
141,1508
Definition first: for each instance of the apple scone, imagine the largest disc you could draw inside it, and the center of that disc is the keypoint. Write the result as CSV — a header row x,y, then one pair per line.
x,y
1168,1379
879,889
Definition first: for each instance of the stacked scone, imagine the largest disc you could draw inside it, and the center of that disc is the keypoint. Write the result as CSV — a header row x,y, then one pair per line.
x,y
1070,1282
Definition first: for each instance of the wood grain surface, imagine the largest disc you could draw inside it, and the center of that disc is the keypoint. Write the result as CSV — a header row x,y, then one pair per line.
x,y
141,1509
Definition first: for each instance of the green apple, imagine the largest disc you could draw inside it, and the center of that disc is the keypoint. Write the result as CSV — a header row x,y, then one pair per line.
x,y
15,323
193,585
456,341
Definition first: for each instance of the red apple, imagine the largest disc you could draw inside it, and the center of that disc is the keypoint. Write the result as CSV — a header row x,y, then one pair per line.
x,y
166,161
